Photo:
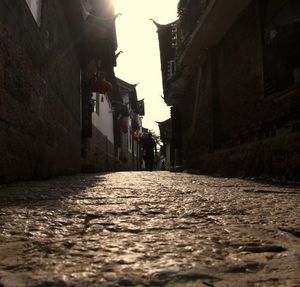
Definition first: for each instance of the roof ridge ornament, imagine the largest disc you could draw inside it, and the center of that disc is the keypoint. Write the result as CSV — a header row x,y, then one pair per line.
x,y
113,18
118,54
160,26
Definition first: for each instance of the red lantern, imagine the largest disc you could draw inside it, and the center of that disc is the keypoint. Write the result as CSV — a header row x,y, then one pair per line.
x,y
124,125
102,86
136,137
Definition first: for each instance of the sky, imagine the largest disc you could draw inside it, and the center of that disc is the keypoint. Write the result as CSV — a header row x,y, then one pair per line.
x,y
140,60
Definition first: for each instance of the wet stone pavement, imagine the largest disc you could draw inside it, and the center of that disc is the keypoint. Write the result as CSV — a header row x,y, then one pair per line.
x,y
149,229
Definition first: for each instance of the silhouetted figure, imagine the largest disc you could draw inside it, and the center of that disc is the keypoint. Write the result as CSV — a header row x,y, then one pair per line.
x,y
149,146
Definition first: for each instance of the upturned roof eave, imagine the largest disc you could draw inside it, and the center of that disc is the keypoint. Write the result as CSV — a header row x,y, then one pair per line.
x,y
160,26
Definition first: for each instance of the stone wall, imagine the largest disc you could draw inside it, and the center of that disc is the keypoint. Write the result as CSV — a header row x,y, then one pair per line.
x,y
100,154
39,94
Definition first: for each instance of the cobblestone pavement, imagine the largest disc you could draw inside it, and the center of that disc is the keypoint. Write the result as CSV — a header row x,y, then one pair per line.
x,y
149,229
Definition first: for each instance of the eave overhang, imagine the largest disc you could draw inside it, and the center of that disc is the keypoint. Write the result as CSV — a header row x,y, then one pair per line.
x,y
174,91
219,17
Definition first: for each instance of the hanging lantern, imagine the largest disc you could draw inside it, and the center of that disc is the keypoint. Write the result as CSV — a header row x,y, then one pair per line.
x,y
123,122
102,86
136,137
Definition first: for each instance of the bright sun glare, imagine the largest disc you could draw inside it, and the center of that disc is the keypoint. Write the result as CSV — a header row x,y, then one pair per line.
x,y
140,62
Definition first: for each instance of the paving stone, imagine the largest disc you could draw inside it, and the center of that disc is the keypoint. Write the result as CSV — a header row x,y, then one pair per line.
x,y
149,229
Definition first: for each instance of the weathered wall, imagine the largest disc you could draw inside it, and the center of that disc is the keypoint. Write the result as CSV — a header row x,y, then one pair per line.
x,y
39,94
251,134
242,112
269,158
240,77
100,154
103,117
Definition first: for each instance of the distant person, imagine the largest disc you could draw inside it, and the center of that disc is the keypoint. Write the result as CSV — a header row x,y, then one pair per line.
x,y
149,146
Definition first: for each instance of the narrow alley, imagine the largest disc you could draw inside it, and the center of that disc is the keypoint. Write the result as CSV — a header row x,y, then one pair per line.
x,y
149,229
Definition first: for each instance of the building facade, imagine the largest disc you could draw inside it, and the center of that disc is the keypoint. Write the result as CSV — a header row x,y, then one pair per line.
x,y
165,131
129,113
235,95
100,90
100,146
40,119
173,89
50,52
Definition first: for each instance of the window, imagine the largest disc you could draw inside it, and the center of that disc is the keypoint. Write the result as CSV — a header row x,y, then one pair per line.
x,y
36,8
174,28
171,69
281,45
174,35
97,104
94,102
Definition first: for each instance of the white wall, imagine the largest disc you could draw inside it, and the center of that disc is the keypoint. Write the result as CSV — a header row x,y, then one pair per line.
x,y
104,120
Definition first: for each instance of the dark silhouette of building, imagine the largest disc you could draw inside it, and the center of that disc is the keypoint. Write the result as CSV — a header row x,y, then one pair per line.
x,y
235,92
98,82
165,131
50,53
128,118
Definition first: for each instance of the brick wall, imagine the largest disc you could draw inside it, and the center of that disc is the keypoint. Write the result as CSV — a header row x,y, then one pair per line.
x,y
39,94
